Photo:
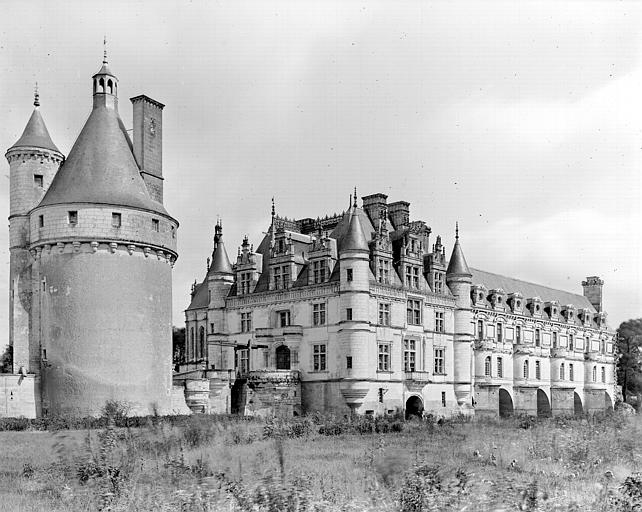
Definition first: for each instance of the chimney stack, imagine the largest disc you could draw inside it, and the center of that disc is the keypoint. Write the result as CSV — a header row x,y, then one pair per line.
x,y
148,143
593,291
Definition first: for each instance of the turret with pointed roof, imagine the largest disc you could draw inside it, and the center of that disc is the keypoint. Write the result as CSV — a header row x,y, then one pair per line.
x,y
457,265
220,261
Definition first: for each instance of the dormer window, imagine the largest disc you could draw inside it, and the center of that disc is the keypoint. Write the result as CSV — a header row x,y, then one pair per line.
x,y
383,270
72,217
319,271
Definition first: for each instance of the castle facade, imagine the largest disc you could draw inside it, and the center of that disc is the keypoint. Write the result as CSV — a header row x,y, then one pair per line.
x,y
91,255
358,312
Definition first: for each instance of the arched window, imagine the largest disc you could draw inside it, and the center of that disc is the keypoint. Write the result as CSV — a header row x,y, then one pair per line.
x,y
101,82
487,367
201,342
562,371
526,369
500,367
603,374
282,358
571,375
538,372
500,333
595,374
110,86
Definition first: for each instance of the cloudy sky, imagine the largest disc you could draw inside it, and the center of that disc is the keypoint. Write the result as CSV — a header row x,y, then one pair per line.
x,y
521,120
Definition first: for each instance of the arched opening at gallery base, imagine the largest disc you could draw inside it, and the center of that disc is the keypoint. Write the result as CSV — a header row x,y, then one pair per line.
x,y
505,404
414,407
608,403
283,358
543,405
577,405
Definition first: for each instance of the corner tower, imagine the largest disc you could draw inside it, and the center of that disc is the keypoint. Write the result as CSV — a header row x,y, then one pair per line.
x,y
33,161
103,252
459,280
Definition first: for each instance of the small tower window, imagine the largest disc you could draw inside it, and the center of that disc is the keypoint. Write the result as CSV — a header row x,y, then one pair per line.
x,y
116,220
110,86
173,232
37,180
95,86
155,225
102,84
41,221
349,274
349,362
348,313
72,217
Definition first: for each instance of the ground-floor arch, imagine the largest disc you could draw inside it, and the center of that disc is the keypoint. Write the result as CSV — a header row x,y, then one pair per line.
x,y
505,404
608,403
414,407
283,358
543,404
578,409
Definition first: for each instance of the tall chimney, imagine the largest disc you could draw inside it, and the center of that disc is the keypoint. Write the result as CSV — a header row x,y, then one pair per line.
x,y
148,143
593,291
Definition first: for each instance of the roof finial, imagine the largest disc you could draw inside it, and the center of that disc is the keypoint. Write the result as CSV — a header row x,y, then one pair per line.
x,y
36,96
355,197
456,230
105,49
350,203
273,209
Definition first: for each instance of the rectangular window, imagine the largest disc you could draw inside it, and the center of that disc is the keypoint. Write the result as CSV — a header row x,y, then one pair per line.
x,y
570,343
413,310
443,399
538,371
212,327
318,313
41,221
439,283
319,358
348,313
537,338
384,357
518,334
487,367
319,271
571,375
384,313
603,374
562,371
116,220
480,329
409,355
500,367
439,361
72,217
246,279
383,271
155,225
349,362
500,333
278,284
37,180
412,276
244,360
554,339
246,322
408,275
349,274
284,318
439,321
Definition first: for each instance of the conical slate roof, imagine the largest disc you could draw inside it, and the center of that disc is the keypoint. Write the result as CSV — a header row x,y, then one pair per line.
x,y
457,264
35,134
101,168
354,239
220,261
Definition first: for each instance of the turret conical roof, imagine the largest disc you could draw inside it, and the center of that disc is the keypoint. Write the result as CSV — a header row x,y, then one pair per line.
x,y
457,264
35,134
220,261
101,168
354,239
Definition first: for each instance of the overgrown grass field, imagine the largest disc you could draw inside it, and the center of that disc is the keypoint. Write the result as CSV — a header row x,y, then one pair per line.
x,y
204,463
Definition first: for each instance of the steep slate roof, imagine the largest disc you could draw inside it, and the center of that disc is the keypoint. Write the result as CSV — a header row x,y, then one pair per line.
x,y
353,239
101,168
457,264
200,298
220,261
511,285
35,134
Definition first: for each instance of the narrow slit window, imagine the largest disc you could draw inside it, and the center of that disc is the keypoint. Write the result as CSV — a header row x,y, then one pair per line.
x,y
41,221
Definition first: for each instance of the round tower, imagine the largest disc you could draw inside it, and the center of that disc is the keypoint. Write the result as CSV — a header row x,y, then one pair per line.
x,y
103,251
354,334
33,161
459,280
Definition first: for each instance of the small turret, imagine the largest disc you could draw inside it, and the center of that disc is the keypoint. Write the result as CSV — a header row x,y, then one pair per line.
x,y
105,86
220,261
457,266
